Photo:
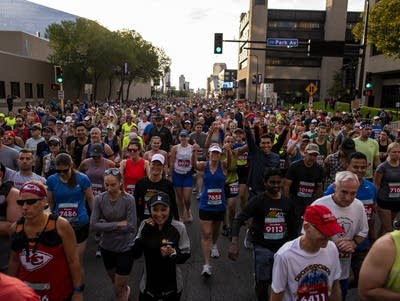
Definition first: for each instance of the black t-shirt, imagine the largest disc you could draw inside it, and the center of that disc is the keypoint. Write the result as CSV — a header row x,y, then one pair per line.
x,y
305,180
274,221
145,188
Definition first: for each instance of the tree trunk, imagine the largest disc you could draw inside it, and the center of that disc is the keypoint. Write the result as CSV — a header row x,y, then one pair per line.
x,y
127,90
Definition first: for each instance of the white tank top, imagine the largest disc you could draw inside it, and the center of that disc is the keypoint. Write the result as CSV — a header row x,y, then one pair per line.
x,y
183,159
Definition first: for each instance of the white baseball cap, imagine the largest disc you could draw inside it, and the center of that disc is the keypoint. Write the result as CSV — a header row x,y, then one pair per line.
x,y
215,148
158,157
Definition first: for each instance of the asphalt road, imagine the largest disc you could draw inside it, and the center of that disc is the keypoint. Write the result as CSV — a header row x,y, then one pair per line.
x,y
231,281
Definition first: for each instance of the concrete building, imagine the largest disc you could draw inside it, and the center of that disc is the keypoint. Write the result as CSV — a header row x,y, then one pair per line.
x,y
291,70
25,69
385,75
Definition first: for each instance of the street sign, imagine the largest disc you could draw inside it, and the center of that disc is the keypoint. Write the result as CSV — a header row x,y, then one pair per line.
x,y
60,94
311,89
279,42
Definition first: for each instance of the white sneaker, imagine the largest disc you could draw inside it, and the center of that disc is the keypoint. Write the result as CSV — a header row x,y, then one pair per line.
x,y
98,252
214,252
246,241
206,272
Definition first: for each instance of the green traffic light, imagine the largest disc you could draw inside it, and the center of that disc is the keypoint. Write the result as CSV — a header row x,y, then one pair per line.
x,y
59,80
368,85
218,49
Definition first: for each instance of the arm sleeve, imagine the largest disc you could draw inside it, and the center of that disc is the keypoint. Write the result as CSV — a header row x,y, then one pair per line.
x,y
247,212
96,215
329,190
183,250
172,196
281,139
138,245
250,140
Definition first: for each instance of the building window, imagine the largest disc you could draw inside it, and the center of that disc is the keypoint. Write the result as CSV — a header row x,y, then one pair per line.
x,y
40,90
15,91
2,89
28,90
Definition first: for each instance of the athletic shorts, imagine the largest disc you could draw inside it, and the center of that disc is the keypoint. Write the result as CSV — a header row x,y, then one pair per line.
x,y
263,262
217,216
81,233
392,206
120,262
231,190
182,180
243,173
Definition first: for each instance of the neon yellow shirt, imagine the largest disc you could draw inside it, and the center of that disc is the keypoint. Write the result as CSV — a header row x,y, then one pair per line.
x,y
393,280
10,121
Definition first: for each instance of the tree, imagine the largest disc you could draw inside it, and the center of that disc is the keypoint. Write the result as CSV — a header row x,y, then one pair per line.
x,y
337,90
383,27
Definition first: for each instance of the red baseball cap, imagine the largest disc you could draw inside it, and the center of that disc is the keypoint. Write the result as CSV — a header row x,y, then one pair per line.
x,y
323,220
9,134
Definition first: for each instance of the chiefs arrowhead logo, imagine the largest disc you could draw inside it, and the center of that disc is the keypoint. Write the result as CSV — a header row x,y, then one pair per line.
x,y
35,260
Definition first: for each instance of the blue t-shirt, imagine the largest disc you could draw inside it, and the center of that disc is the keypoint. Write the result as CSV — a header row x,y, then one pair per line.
x,y
70,202
366,193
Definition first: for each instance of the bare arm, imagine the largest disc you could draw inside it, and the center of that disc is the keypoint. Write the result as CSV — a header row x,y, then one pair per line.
x,y
89,197
50,200
276,296
84,151
67,235
109,152
378,179
13,212
84,166
375,270
336,293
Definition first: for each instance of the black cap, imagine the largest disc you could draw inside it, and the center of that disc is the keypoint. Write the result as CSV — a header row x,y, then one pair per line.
x,y
159,198
348,145
97,150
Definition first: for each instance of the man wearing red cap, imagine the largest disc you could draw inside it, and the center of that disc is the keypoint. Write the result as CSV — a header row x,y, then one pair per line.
x,y
308,267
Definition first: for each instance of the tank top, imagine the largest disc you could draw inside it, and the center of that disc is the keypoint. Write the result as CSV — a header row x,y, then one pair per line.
x,y
95,172
212,195
183,159
232,175
393,280
43,263
323,150
242,158
134,171
78,149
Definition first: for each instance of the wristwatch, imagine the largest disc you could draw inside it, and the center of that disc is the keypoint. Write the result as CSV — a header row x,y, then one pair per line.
x,y
79,289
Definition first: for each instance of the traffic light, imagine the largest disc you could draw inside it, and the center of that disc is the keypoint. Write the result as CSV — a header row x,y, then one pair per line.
x,y
58,72
368,81
218,41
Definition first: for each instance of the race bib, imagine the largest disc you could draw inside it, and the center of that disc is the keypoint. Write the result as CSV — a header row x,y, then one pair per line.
x,y
394,190
214,197
274,228
282,163
130,189
315,296
242,157
369,208
184,163
234,188
97,189
68,211
306,189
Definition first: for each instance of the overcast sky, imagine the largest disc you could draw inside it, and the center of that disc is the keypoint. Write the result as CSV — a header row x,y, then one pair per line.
x,y
184,29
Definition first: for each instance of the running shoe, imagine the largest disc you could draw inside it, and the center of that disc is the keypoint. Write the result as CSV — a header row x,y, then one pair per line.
x,y
214,252
206,272
226,231
98,252
246,241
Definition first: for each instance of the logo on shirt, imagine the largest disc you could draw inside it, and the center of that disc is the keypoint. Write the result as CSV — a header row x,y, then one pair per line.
x,y
313,283
34,260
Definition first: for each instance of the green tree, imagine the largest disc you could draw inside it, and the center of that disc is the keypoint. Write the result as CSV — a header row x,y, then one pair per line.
x,y
383,27
337,90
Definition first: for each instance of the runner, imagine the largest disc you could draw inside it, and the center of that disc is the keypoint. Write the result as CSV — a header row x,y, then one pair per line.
x,y
212,200
50,239
114,214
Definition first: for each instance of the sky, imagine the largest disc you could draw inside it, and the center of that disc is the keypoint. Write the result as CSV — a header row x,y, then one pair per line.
x,y
184,29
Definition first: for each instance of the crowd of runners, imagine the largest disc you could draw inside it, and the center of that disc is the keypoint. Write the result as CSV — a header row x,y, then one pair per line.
x,y
313,190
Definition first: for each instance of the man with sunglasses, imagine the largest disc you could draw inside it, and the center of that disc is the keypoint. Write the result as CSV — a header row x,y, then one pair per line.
x,y
44,253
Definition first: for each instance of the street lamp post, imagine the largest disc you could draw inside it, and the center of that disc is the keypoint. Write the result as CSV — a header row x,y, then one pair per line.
x,y
256,96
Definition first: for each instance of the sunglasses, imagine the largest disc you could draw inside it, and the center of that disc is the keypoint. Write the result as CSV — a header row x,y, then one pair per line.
x,y
133,150
62,170
54,144
112,171
28,201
